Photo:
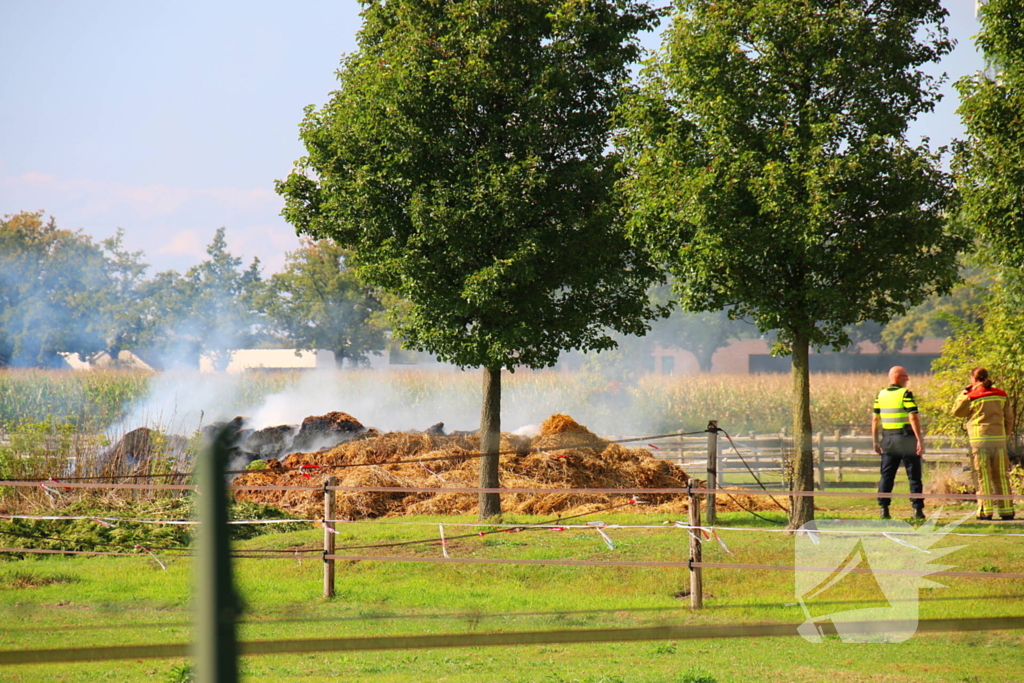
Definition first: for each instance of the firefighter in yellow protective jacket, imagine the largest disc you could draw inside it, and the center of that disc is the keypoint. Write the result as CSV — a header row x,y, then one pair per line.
x,y
989,423
896,435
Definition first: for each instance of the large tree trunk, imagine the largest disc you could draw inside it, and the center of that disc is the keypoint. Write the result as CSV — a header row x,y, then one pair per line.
x,y
703,356
490,442
801,508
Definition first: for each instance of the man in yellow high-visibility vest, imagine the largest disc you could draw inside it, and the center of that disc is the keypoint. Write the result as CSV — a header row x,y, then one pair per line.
x,y
896,433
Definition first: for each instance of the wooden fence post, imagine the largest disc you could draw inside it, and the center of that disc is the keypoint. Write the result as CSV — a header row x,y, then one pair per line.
x,y
696,578
329,536
839,456
712,470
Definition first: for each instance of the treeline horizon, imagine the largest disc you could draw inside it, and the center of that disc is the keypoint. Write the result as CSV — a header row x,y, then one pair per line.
x,y
62,292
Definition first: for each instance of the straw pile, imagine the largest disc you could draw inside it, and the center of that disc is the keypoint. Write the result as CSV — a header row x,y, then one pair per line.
x,y
564,455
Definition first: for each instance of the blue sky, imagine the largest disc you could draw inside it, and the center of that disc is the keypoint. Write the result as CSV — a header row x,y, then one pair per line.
x,y
170,120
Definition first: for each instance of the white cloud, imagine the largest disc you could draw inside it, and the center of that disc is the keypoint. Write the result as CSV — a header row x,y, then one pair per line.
x,y
145,201
171,224
185,243
38,177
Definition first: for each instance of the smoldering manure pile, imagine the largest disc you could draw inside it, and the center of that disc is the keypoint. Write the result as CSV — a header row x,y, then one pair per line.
x,y
564,455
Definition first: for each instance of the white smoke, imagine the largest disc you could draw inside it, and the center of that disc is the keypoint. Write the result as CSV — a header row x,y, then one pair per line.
x,y
182,402
377,398
530,431
389,400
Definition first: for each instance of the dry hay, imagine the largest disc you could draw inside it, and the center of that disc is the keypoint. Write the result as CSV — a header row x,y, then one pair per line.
x,y
564,455
327,430
950,479
739,501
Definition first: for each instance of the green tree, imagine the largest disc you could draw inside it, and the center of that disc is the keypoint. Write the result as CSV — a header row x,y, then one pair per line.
x,y
989,165
165,339
995,342
989,171
225,311
701,333
120,307
211,309
49,282
318,302
936,315
464,161
769,170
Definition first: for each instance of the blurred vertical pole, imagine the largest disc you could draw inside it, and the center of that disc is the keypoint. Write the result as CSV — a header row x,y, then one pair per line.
x,y
696,574
329,536
712,470
216,650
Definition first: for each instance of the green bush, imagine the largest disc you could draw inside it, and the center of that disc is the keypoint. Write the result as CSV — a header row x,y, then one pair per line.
x,y
996,343
39,450
93,534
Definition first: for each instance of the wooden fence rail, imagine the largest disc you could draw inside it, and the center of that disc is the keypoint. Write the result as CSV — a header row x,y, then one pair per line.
x,y
765,454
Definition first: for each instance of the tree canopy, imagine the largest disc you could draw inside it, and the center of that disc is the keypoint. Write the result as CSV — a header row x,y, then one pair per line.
x,y
769,170
214,307
318,302
50,279
61,292
989,165
464,161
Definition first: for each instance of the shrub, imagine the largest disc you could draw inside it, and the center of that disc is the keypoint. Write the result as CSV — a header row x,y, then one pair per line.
x,y
997,343
93,534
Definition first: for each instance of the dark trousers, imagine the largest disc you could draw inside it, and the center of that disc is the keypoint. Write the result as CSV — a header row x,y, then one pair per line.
x,y
897,449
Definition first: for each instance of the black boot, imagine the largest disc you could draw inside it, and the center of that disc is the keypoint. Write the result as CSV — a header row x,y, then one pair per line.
x,y
885,512
919,513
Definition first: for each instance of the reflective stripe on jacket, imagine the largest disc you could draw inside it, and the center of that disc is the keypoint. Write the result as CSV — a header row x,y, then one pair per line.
x,y
894,405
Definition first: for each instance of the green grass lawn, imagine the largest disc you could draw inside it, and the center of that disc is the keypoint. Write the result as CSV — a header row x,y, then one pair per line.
x,y
97,601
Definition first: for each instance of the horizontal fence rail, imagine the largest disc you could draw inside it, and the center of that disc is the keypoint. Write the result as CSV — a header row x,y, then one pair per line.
x,y
451,640
836,457
552,491
476,489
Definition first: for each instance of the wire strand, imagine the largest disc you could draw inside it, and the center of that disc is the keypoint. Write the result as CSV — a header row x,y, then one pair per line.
x,y
468,455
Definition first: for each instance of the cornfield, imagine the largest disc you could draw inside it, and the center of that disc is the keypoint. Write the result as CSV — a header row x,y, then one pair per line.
x,y
762,403
91,402
88,400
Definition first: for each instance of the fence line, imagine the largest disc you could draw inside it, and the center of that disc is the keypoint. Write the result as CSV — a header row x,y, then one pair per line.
x,y
668,564
556,524
687,564
694,564
476,489
699,632
328,551
464,455
54,551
